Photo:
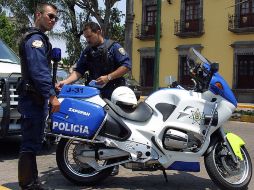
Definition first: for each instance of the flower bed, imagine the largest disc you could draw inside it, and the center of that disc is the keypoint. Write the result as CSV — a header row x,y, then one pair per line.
x,y
243,116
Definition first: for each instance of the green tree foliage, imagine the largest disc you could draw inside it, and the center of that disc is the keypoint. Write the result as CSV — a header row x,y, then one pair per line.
x,y
105,16
22,11
71,20
7,32
116,30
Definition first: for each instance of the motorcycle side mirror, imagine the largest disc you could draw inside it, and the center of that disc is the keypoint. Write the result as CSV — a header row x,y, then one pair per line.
x,y
169,80
214,67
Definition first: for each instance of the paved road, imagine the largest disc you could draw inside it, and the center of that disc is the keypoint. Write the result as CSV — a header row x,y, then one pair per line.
x,y
127,179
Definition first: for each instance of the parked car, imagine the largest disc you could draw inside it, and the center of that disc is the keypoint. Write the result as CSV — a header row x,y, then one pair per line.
x,y
9,73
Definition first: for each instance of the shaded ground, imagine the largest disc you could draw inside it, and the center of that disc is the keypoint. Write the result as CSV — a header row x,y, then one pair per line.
x,y
51,176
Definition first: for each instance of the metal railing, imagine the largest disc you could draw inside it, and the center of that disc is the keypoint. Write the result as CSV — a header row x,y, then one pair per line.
x,y
236,22
145,31
186,29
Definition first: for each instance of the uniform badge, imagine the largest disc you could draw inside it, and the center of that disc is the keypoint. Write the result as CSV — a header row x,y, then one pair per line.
x,y
122,51
37,44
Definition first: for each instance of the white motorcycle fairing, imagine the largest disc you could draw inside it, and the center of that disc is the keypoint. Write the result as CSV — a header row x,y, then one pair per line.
x,y
188,111
172,129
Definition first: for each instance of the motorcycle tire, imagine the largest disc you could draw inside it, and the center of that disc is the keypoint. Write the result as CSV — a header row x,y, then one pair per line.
x,y
78,172
224,172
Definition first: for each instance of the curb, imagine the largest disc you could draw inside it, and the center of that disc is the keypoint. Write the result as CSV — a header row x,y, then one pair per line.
x,y
245,106
4,188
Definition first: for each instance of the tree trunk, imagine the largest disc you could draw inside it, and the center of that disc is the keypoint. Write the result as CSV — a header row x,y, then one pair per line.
x,y
128,27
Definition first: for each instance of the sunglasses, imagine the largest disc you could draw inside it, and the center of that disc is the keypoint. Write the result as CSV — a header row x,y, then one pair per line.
x,y
52,16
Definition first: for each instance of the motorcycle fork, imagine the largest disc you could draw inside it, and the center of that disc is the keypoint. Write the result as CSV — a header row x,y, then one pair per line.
x,y
211,121
222,133
226,143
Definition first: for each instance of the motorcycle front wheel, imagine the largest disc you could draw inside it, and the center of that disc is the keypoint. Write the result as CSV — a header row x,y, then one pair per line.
x,y
73,166
225,172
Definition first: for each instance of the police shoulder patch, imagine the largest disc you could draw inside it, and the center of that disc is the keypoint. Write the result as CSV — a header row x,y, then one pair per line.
x,y
37,44
122,51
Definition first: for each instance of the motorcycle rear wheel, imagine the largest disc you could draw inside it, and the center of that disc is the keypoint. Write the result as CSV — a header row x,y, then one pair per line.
x,y
73,168
224,172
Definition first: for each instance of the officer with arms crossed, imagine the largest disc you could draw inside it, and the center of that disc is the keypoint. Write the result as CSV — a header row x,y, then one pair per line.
x,y
105,60
35,90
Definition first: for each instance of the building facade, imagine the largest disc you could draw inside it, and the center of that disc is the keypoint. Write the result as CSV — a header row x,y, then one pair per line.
x,y
223,31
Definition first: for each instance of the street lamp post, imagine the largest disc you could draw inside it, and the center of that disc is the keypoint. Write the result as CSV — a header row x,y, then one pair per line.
x,y
157,46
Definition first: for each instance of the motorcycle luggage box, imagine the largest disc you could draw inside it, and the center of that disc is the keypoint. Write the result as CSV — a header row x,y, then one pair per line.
x,y
77,118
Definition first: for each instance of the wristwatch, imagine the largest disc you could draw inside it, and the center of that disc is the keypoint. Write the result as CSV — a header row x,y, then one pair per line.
x,y
109,77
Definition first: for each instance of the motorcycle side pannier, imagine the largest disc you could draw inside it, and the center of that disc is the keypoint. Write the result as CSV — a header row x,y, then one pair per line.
x,y
77,118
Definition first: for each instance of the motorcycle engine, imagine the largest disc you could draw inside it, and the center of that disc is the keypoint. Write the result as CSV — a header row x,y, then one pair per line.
x,y
175,140
180,141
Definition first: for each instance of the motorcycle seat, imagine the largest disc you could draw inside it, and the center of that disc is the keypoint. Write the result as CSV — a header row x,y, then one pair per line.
x,y
141,113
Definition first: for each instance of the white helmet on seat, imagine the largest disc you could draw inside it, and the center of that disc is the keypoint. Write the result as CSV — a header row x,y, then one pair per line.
x,y
123,95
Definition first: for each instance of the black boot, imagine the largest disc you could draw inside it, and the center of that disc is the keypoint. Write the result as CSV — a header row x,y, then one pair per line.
x,y
26,170
37,183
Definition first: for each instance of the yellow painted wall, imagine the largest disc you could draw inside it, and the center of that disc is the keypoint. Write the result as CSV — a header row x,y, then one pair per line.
x,y
216,40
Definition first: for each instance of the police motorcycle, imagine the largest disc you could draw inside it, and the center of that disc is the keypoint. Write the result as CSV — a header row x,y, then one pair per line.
x,y
170,130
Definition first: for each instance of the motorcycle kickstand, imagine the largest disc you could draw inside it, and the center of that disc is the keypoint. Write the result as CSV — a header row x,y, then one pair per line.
x,y
165,175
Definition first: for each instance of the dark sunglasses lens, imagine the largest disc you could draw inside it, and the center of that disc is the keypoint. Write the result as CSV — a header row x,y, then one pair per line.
x,y
51,16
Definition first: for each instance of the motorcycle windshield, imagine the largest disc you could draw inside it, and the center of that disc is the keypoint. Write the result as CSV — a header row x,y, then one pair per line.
x,y
223,89
195,58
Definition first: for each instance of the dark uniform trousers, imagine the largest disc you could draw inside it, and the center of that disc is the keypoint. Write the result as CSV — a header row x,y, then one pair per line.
x,y
32,123
32,129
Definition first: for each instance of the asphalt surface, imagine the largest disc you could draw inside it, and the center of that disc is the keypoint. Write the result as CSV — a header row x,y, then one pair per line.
x,y
127,179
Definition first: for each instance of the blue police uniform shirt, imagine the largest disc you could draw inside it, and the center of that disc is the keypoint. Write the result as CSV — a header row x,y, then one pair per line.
x,y
38,66
116,54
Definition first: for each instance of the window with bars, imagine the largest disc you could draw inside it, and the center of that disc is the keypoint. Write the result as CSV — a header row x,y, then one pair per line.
x,y
247,13
191,10
192,15
147,72
184,73
245,71
150,19
151,14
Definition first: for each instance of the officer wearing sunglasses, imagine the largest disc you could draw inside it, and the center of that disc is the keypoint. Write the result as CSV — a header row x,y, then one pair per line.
x,y
35,91
52,17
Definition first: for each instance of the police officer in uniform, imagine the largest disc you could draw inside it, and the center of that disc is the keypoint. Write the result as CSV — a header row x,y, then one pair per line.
x,y
105,60
35,90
